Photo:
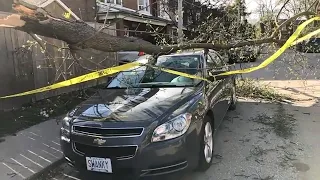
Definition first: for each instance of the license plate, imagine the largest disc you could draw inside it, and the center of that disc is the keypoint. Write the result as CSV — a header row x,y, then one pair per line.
x,y
99,164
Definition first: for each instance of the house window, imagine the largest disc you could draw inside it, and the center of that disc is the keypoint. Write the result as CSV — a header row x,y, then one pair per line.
x,y
119,2
143,5
126,32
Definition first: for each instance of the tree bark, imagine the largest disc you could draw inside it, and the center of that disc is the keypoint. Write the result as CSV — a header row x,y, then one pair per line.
x,y
80,35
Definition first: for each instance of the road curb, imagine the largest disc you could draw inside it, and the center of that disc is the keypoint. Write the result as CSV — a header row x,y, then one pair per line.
x,y
46,170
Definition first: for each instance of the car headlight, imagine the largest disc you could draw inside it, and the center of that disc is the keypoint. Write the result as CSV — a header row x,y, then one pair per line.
x,y
65,129
66,123
172,129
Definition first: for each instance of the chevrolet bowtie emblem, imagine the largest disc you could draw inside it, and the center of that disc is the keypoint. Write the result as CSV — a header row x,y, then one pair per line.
x,y
99,141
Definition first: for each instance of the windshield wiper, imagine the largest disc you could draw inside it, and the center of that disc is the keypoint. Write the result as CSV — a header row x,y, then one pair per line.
x,y
115,87
160,84
123,87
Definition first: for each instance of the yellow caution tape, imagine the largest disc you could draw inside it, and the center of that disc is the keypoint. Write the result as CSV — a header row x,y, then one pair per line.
x,y
67,15
180,73
77,80
290,42
276,54
109,71
306,37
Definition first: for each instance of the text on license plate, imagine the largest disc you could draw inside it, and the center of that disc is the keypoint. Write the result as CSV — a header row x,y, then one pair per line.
x,y
99,164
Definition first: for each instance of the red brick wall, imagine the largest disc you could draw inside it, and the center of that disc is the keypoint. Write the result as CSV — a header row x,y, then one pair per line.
x,y
6,5
87,10
132,4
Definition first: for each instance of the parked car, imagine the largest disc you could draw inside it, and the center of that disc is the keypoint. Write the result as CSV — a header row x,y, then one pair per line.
x,y
148,122
124,57
244,54
310,46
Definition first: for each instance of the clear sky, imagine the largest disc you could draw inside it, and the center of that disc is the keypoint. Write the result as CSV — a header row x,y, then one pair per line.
x,y
252,7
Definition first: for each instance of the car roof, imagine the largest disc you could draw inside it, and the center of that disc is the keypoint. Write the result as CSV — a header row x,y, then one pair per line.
x,y
143,59
187,52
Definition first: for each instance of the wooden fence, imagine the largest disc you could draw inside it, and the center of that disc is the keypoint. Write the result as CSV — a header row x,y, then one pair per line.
x,y
24,66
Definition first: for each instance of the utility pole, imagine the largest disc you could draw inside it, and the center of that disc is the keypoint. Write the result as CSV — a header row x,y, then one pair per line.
x,y
241,18
239,12
180,22
238,28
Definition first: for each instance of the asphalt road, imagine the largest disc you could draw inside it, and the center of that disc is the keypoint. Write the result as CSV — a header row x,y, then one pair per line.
x,y
261,140
291,65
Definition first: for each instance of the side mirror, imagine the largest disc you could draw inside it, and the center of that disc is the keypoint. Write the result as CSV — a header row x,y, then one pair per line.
x,y
213,73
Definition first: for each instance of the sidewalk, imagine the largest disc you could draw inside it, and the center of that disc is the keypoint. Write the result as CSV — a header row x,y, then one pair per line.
x,y
30,151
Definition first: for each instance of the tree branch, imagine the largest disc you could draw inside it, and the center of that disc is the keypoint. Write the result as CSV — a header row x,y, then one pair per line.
x,y
281,9
75,32
76,59
286,22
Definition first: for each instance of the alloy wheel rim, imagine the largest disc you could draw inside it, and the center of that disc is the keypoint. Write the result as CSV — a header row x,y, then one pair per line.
x,y
208,142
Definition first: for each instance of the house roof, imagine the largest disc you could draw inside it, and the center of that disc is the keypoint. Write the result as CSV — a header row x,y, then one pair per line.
x,y
36,2
46,3
129,14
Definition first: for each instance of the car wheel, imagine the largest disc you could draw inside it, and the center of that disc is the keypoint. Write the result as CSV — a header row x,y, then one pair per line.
x,y
253,59
206,145
233,104
232,59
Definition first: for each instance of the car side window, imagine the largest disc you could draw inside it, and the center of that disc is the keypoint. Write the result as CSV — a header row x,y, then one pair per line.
x,y
217,59
211,62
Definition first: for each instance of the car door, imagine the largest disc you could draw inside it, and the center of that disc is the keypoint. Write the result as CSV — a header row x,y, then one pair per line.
x,y
214,90
225,85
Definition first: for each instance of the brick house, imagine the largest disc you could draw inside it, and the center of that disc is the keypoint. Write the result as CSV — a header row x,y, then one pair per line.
x,y
53,7
139,18
6,5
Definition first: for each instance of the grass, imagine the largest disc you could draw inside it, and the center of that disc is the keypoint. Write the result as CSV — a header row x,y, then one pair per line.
x,y
252,89
40,111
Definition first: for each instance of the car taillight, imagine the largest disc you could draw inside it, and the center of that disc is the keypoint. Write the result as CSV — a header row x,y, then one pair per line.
x,y
141,54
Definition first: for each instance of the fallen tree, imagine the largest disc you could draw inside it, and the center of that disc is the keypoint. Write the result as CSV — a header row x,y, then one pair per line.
x,y
79,35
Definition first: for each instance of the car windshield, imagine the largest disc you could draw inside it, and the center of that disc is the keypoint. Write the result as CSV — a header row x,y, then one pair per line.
x,y
313,41
149,77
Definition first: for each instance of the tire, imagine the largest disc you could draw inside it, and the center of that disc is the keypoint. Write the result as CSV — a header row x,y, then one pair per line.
x,y
232,59
205,163
233,104
299,48
253,59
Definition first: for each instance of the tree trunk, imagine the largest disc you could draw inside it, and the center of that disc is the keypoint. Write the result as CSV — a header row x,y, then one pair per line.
x,y
80,35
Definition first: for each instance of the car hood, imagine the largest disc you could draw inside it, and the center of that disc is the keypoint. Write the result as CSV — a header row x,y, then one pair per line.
x,y
134,104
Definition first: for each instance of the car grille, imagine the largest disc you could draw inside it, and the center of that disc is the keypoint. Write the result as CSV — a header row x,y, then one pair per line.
x,y
119,152
106,132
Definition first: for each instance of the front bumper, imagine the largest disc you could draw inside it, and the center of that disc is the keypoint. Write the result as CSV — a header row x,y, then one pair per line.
x,y
150,160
